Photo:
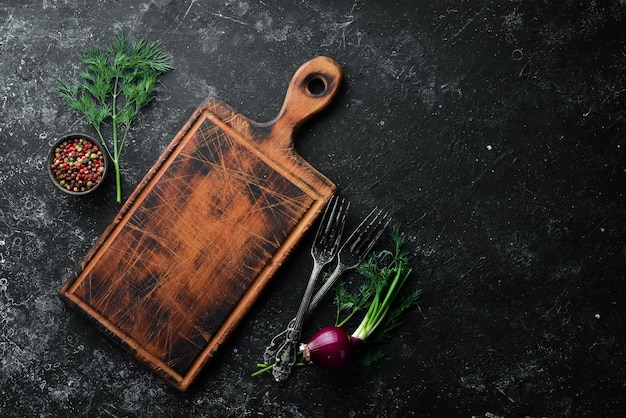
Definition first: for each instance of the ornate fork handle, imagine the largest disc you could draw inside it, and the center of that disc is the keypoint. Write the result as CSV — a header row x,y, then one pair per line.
x,y
287,353
269,356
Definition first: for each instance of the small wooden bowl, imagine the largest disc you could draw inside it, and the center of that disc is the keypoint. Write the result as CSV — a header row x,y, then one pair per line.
x,y
77,164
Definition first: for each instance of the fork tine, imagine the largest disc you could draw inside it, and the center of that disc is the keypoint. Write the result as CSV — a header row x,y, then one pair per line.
x,y
375,235
340,222
325,224
331,226
367,233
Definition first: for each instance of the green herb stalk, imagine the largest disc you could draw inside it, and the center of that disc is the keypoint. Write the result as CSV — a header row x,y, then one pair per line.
x,y
119,81
387,272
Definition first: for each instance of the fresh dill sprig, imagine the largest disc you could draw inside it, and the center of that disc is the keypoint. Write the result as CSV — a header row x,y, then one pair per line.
x,y
118,82
371,357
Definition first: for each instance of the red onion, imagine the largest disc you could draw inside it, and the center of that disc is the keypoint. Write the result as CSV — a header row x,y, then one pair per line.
x,y
330,348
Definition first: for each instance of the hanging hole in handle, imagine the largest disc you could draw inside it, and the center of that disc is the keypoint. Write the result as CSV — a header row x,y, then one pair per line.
x,y
316,85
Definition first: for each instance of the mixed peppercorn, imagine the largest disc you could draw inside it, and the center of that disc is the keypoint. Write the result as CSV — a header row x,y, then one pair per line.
x,y
78,164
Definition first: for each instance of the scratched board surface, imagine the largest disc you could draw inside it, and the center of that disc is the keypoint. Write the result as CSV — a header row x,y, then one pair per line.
x,y
133,283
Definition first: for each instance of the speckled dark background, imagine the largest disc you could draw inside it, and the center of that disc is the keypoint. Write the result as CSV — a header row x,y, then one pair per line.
x,y
492,131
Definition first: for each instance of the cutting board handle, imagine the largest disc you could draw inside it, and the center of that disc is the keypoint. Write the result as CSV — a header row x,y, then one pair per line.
x,y
311,89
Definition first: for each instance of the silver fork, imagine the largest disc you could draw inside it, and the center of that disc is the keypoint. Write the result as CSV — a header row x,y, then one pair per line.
x,y
354,250
283,348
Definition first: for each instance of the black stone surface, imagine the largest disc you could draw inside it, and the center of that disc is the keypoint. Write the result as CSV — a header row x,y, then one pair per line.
x,y
492,131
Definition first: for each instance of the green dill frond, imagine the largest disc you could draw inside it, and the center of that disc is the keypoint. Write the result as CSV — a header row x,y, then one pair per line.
x,y
95,87
401,253
151,54
68,92
96,115
85,104
370,357
119,48
344,299
118,44
347,303
125,115
95,60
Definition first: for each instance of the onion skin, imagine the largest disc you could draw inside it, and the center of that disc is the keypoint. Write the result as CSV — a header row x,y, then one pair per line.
x,y
330,348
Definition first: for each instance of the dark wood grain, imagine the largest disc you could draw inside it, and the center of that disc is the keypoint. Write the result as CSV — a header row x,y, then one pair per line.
x,y
205,231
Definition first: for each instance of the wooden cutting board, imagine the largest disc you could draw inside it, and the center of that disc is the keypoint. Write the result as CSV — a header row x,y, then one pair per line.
x,y
205,230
